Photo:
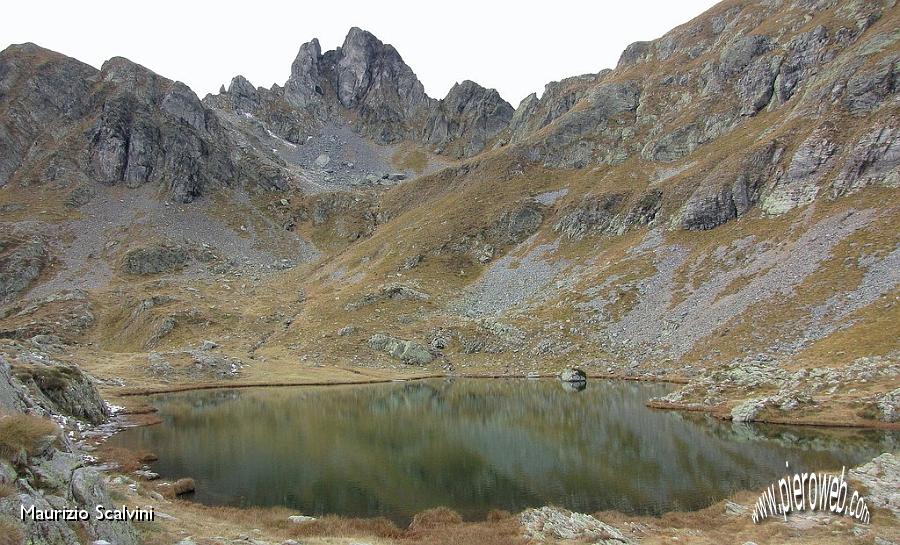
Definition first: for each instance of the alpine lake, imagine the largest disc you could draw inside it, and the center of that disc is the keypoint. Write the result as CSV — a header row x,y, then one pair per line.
x,y
474,445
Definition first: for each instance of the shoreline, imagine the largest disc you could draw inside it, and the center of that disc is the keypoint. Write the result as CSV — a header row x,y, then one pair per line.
x,y
226,386
715,412
726,416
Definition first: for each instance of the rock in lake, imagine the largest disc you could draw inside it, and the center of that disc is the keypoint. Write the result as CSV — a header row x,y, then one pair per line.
x,y
572,374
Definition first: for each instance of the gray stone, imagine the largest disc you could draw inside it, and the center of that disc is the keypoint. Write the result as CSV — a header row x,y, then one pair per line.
x,y
799,185
217,365
63,389
322,160
881,478
408,351
243,95
741,52
466,120
889,406
21,263
874,160
572,374
412,262
594,215
712,205
748,410
390,292
13,396
868,87
87,490
80,196
552,523
154,260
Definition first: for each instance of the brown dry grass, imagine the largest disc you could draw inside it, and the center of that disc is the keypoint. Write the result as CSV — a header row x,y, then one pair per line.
x,y
177,488
432,518
334,526
408,157
7,489
125,460
23,432
10,532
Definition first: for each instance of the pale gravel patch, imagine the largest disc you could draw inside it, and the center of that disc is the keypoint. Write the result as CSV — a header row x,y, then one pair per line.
x,y
654,328
881,276
512,281
549,198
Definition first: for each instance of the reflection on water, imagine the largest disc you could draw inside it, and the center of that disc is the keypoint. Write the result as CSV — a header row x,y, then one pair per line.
x,y
473,445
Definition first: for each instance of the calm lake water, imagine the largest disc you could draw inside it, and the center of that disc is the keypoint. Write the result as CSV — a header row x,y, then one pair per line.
x,y
473,445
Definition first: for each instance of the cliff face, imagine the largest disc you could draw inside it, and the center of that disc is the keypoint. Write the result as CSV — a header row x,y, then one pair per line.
x,y
724,199
122,124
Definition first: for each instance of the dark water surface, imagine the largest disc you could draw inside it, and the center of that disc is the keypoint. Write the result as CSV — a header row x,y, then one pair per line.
x,y
473,445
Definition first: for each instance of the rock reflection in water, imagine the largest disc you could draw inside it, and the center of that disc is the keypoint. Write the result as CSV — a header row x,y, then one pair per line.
x,y
473,445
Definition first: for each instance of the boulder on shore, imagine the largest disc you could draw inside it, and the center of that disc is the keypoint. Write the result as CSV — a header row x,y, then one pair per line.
x,y
572,374
408,351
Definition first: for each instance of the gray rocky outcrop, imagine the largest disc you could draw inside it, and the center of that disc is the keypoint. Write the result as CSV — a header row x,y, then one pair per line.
x,y
242,95
211,364
869,87
748,410
122,124
371,78
873,160
391,292
151,129
800,183
466,120
713,204
13,395
407,351
553,523
511,227
572,374
21,263
881,477
62,389
593,215
557,99
888,405
303,88
154,260
39,89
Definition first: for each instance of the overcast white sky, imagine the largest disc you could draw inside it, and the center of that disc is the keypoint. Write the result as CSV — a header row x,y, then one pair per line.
x,y
515,47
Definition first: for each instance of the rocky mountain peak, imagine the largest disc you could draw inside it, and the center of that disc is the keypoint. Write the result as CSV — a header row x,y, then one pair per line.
x,y
368,66
466,119
304,86
367,84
